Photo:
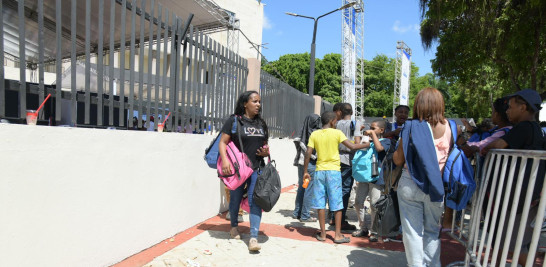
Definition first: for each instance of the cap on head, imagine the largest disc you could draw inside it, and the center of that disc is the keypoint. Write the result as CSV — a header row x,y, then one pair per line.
x,y
531,97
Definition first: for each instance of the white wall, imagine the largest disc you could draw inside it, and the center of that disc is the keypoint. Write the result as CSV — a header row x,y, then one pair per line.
x,y
73,197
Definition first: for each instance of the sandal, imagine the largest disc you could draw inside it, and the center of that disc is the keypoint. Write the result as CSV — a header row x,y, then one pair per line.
x,y
372,238
343,240
319,238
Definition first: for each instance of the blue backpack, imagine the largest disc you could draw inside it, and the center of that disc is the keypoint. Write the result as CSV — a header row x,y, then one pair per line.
x,y
362,165
211,153
458,175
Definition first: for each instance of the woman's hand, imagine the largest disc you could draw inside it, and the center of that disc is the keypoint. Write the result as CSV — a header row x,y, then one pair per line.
x,y
263,151
226,168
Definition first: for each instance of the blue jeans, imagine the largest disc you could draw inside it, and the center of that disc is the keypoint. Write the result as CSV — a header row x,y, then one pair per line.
x,y
346,187
301,210
420,223
255,211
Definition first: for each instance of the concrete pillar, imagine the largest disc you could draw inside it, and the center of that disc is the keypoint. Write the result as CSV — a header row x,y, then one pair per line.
x,y
318,104
253,78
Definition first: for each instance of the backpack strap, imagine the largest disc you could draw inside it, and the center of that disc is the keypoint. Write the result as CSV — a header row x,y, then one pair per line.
x,y
235,124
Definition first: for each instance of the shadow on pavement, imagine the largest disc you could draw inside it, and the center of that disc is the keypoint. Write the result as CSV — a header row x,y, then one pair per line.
x,y
365,258
286,213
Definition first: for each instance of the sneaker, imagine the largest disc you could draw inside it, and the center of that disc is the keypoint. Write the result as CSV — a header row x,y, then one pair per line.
x,y
240,218
253,245
373,238
228,217
310,219
397,239
360,233
234,233
345,226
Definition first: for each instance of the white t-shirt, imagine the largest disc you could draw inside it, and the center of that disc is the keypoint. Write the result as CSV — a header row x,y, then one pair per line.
x,y
345,153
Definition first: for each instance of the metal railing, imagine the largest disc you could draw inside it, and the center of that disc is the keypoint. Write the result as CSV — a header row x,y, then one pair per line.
x,y
146,61
284,108
506,200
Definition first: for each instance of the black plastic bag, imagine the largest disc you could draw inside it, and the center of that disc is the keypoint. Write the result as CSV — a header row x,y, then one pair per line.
x,y
387,215
268,187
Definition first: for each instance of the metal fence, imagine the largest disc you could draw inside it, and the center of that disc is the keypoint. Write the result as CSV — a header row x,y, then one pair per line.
x,y
125,58
501,208
284,107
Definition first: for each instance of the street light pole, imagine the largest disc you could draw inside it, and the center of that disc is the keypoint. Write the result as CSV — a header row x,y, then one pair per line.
x,y
312,63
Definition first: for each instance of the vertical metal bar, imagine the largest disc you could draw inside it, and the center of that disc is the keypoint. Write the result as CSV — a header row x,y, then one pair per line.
x,y
59,62
73,65
2,74
179,81
122,65
190,77
157,62
208,73
194,77
40,53
150,61
217,90
221,78
141,62
540,214
199,85
173,74
87,108
526,205
184,82
111,63
229,76
22,62
100,66
132,65
165,56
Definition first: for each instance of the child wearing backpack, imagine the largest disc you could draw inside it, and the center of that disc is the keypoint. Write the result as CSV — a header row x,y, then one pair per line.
x,y
526,134
326,183
371,189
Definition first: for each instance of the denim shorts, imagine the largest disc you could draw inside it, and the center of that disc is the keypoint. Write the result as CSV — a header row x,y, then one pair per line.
x,y
326,185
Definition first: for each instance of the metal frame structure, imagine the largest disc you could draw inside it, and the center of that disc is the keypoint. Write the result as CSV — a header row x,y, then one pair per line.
x,y
401,47
352,47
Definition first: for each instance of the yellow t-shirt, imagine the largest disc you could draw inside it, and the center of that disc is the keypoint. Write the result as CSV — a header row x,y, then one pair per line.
x,y
326,142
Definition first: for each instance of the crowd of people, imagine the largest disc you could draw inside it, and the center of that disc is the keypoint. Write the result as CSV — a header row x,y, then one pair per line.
x,y
325,152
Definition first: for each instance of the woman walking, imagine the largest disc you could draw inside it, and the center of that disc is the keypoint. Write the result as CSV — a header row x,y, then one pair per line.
x,y
254,135
423,147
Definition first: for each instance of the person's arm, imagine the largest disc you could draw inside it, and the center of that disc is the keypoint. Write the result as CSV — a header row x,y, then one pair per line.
x,y
306,163
398,156
378,146
224,140
393,133
263,151
497,144
352,146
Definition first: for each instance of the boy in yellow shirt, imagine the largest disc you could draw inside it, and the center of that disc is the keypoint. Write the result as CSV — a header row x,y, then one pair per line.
x,y
326,183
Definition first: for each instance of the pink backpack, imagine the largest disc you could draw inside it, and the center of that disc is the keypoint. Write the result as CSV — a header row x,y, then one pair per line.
x,y
239,163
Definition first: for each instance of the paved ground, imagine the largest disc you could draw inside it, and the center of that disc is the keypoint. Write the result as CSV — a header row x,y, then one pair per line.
x,y
285,242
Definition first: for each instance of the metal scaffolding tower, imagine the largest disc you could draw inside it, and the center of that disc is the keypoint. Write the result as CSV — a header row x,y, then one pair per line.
x,y
233,32
352,65
401,48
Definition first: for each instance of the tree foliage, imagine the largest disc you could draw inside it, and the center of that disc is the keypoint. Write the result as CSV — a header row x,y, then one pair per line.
x,y
488,48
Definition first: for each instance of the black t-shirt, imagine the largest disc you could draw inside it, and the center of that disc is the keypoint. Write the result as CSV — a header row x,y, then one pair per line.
x,y
253,136
529,136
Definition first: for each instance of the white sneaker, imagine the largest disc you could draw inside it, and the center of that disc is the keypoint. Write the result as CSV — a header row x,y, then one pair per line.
x,y
253,245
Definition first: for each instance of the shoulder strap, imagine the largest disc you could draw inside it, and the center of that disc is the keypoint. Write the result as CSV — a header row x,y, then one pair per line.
x,y
453,127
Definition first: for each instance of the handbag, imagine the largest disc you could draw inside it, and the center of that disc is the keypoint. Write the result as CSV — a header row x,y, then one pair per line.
x,y
239,163
387,214
268,187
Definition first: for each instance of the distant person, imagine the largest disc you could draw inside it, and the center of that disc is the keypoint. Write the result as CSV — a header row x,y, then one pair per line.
x,y
188,128
401,113
527,135
310,124
326,184
151,124
254,135
337,110
423,149
351,129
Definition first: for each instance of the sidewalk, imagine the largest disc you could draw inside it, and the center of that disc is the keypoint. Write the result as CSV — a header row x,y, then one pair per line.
x,y
285,242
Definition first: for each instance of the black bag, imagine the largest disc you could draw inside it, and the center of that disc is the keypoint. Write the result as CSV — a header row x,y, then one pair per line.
x,y
387,215
268,187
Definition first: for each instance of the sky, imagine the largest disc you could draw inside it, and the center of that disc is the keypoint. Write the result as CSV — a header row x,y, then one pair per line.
x,y
385,23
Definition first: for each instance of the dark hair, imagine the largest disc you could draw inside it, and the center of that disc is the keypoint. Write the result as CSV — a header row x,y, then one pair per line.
x,y
380,123
501,105
522,101
240,108
337,107
401,106
487,123
346,109
327,116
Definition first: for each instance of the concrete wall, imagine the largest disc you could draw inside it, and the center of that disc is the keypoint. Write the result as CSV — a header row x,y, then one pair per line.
x,y
89,197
